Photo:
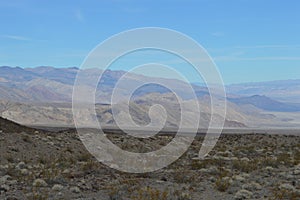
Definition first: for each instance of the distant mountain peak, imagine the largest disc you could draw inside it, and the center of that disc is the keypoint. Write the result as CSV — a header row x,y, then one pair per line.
x,y
74,68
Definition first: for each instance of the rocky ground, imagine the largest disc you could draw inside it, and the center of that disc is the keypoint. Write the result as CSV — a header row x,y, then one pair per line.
x,y
38,164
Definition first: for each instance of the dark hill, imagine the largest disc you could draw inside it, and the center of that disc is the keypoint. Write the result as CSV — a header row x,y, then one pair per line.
x,y
12,127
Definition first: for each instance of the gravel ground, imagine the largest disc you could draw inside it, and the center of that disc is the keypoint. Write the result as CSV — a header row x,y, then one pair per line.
x,y
55,165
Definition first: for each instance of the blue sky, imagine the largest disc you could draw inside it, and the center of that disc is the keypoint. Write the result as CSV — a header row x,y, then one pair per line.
x,y
250,40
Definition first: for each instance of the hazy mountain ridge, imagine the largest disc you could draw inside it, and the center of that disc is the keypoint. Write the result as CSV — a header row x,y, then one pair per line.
x,y
60,81
281,90
49,84
45,95
266,103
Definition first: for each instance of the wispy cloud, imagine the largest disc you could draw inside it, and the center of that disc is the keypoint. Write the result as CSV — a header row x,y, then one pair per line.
x,y
254,47
73,55
11,4
266,46
218,34
16,37
264,52
271,58
132,10
79,16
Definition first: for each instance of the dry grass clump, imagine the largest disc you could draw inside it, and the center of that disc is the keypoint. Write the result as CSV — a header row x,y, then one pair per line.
x,y
245,166
222,184
283,194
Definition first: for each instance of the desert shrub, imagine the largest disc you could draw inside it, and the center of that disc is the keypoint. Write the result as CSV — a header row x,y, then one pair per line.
x,y
297,156
269,162
245,166
284,194
222,184
26,138
197,164
9,158
285,158
181,176
84,157
149,193
89,165
114,193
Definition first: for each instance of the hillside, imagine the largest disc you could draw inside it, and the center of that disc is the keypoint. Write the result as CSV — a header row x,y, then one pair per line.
x,y
10,126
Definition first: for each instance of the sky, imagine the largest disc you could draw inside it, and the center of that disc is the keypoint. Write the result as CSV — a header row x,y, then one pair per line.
x,y
249,40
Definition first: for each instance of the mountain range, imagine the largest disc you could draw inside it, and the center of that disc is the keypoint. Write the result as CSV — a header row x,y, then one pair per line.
x,y
281,90
43,96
